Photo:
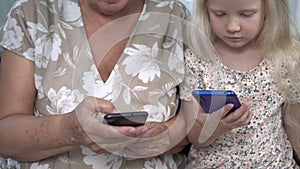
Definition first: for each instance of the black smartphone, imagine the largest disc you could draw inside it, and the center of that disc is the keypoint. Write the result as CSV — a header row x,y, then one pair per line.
x,y
212,100
134,119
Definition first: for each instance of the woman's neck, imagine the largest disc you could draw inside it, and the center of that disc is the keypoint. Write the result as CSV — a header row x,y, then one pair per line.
x,y
241,59
109,34
93,19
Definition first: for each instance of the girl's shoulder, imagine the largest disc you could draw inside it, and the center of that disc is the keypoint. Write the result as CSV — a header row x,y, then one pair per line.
x,y
197,63
193,57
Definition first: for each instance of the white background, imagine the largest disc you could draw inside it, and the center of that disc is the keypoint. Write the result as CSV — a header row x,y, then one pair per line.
x,y
294,4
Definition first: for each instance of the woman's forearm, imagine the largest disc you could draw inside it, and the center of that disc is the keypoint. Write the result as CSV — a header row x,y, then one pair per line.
x,y
30,138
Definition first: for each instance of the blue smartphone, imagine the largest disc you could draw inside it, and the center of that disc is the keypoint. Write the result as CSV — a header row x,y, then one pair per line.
x,y
212,100
134,119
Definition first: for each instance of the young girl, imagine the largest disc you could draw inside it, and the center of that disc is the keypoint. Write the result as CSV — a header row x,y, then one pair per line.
x,y
258,57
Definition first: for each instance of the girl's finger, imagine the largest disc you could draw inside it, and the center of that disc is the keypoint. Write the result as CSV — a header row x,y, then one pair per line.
x,y
236,115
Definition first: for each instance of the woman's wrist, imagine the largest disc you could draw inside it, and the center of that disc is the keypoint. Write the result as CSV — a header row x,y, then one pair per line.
x,y
72,130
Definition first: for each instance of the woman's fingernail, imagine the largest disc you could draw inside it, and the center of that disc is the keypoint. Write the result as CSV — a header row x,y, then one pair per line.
x,y
144,129
115,111
132,131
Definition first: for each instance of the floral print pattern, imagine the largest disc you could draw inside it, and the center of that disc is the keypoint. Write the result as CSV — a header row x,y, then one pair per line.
x,y
261,144
144,60
63,101
51,34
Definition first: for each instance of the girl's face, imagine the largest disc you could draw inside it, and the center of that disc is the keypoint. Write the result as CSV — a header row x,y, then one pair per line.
x,y
236,22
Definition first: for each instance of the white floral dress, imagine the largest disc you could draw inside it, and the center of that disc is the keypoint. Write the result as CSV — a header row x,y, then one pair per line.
x,y
51,34
261,144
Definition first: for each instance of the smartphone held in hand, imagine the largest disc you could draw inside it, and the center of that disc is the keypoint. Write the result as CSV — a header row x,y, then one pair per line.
x,y
134,119
212,100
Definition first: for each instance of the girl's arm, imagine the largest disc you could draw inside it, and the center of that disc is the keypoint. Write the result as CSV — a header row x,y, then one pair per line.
x,y
176,127
203,128
292,125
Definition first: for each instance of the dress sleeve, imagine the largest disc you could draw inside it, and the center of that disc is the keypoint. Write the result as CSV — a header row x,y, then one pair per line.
x,y
18,30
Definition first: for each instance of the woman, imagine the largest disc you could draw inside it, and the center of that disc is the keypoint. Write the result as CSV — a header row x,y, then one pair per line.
x,y
67,63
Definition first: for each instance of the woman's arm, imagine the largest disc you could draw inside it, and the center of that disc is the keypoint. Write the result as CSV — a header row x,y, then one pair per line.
x,y
26,137
292,125
22,135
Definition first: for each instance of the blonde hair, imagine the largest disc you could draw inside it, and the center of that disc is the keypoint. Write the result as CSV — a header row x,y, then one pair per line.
x,y
278,39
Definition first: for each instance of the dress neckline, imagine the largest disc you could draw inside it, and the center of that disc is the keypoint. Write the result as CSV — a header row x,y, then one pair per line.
x,y
249,71
121,58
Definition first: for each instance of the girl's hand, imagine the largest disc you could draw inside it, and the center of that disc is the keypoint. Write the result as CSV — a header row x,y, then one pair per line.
x,y
204,128
86,127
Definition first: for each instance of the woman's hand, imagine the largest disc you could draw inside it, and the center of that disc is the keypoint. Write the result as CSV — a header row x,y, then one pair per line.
x,y
153,142
158,139
86,127
204,128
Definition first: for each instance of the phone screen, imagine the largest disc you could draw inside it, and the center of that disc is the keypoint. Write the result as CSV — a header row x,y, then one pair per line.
x,y
126,119
212,100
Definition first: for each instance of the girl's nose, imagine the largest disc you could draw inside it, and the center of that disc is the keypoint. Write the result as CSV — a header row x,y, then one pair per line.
x,y
233,25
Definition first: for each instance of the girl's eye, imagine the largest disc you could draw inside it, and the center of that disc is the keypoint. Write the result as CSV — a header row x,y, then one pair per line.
x,y
219,14
247,14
